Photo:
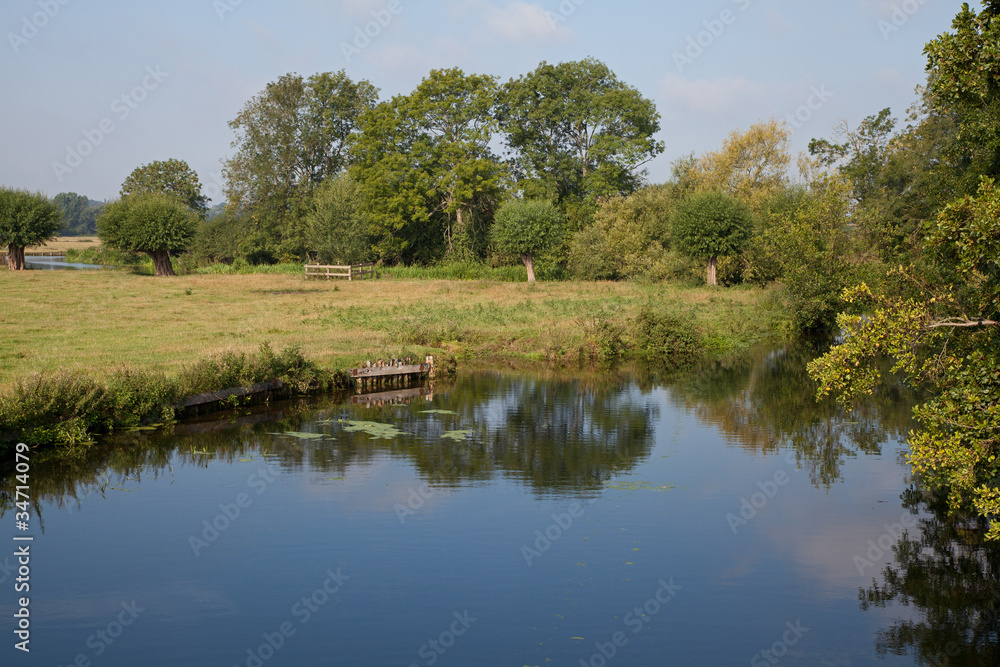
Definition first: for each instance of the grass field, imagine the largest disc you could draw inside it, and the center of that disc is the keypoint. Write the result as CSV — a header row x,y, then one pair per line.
x,y
96,321
64,243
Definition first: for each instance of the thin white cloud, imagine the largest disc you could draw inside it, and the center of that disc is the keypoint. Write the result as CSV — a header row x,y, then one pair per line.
x,y
710,96
525,22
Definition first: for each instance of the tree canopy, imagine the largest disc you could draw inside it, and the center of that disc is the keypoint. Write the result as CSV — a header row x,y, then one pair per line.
x,y
171,176
525,228
156,224
26,219
290,138
79,214
577,133
709,225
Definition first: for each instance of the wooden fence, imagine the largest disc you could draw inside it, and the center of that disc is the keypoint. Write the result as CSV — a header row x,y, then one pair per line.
x,y
351,272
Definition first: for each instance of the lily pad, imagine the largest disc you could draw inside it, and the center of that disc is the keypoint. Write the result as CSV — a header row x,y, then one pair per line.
x,y
438,412
457,436
300,435
374,429
637,486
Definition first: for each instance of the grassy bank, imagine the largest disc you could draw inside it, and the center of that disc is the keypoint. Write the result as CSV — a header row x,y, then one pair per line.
x,y
96,321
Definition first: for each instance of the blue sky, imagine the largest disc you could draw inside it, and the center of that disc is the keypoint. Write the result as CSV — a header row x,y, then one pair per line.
x,y
95,88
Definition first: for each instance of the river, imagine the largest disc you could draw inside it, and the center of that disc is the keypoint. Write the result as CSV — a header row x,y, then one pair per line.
x,y
719,517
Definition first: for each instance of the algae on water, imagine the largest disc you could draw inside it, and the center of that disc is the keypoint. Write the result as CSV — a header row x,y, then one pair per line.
x,y
374,429
457,436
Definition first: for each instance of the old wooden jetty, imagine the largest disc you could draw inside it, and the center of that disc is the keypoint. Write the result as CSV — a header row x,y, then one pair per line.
x,y
391,372
351,272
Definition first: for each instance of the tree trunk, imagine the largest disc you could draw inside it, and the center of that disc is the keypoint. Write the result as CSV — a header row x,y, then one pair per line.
x,y
15,258
712,264
529,263
161,261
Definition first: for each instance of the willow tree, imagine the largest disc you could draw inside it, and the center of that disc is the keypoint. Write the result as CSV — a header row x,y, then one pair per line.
x,y
171,177
155,224
710,225
525,228
26,219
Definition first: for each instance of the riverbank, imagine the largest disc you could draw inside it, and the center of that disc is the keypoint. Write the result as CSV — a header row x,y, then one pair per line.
x,y
97,324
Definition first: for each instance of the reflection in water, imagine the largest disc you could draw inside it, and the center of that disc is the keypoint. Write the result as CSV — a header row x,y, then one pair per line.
x,y
766,402
947,572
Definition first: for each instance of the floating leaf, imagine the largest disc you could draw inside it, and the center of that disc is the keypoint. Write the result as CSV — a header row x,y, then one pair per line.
x,y
438,412
637,486
457,436
374,429
300,435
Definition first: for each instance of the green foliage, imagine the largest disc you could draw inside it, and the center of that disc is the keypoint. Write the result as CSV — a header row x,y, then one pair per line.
x,y
79,214
148,223
66,409
628,238
708,225
290,138
338,230
456,271
666,340
577,132
426,170
942,330
26,218
524,227
172,177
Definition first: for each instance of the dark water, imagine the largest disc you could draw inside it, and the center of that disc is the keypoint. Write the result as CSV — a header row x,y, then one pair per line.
x,y
515,520
56,263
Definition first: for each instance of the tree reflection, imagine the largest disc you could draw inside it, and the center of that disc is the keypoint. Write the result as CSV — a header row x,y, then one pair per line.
x,y
952,577
766,402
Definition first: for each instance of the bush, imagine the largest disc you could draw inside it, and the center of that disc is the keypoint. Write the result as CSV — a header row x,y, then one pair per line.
x,y
666,340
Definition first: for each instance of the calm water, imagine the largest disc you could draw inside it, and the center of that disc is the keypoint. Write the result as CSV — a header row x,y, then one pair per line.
x,y
56,263
512,520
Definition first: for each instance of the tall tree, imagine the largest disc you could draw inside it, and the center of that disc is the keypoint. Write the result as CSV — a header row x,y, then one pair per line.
x,y
79,214
750,165
26,219
424,164
291,137
964,82
157,224
171,176
577,133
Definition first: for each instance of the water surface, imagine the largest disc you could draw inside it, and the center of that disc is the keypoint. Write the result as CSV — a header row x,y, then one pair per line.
x,y
511,519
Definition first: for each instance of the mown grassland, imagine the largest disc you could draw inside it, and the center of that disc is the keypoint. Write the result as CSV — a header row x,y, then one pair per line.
x,y
97,321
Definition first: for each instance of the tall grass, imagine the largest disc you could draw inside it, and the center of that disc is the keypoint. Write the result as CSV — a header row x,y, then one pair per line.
x,y
457,271
64,408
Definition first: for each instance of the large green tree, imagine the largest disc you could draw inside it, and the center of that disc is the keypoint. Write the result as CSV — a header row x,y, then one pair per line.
x,y
79,214
338,227
964,82
171,176
709,225
425,166
526,228
26,219
156,224
577,133
290,138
